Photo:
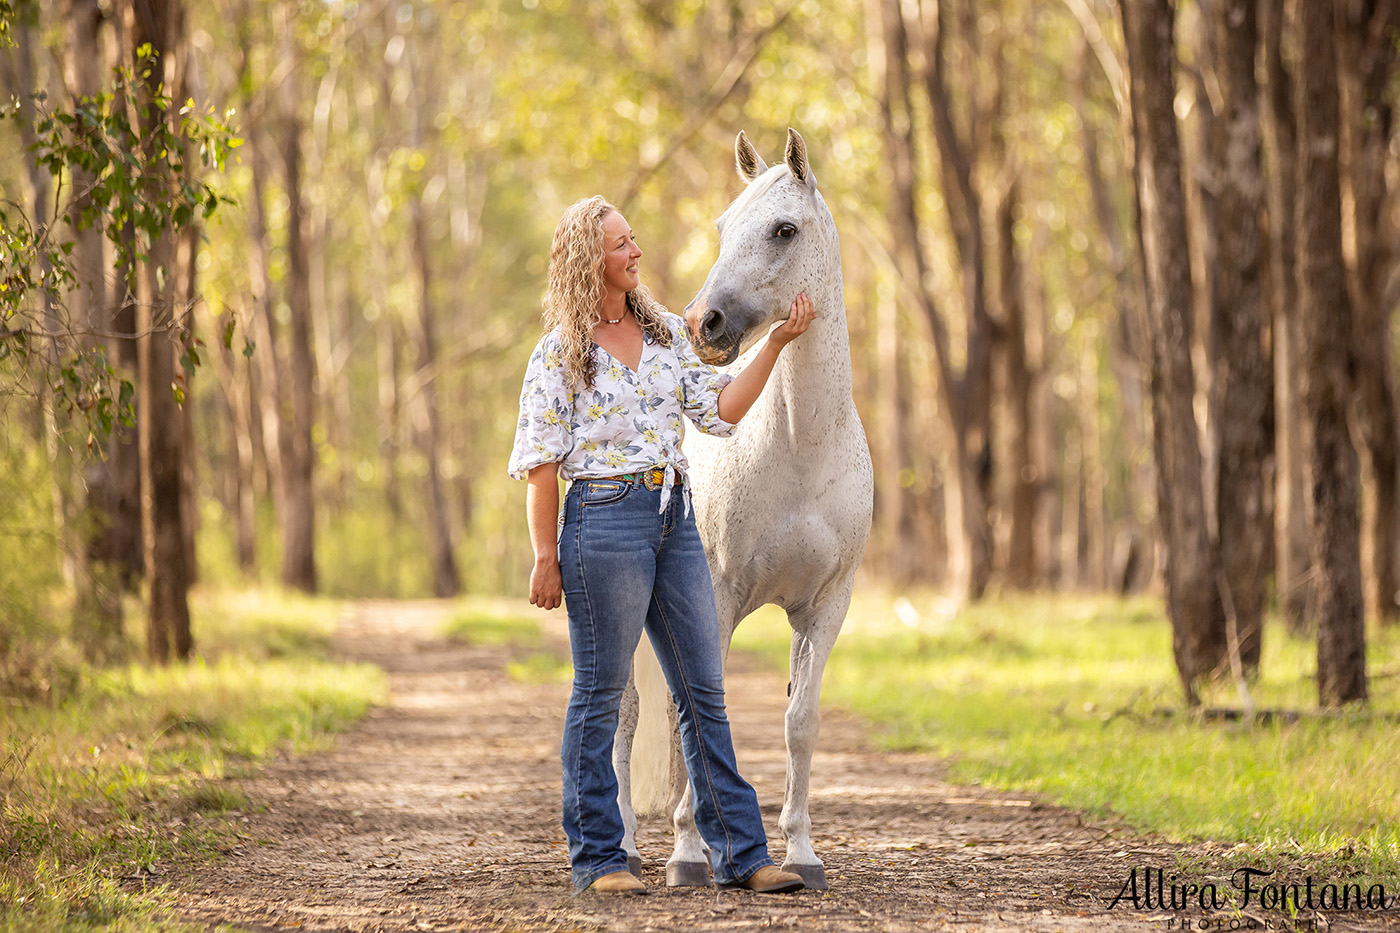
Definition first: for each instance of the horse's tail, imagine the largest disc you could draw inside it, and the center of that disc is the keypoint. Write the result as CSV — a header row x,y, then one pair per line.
x,y
651,749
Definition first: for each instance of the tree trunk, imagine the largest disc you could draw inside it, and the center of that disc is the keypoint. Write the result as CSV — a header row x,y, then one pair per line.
x,y
160,24
447,582
1009,349
266,420
1128,353
237,390
97,614
1094,565
188,277
390,411
386,325
1367,42
969,396
896,513
326,306
299,512
1291,561
1240,320
1193,601
20,77
1325,309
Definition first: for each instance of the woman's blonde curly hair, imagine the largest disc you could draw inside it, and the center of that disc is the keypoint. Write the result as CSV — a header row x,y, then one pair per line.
x,y
572,303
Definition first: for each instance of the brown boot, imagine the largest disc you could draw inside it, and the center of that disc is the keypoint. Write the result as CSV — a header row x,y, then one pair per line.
x,y
619,882
770,879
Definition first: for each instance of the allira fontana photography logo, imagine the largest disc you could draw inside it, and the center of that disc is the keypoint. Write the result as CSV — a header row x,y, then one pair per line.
x,y
1249,889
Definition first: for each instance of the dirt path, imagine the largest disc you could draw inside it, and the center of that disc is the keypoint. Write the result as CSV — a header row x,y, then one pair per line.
x,y
441,812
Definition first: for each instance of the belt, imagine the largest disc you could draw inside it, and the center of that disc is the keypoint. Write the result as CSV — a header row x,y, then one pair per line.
x,y
651,479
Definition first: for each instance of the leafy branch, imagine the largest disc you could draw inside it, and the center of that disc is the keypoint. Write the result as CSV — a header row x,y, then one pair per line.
x,y
143,169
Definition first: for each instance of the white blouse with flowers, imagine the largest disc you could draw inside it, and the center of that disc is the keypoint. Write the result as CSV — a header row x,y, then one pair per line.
x,y
628,422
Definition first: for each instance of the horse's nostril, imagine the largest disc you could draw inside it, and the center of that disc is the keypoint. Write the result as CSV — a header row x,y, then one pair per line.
x,y
712,323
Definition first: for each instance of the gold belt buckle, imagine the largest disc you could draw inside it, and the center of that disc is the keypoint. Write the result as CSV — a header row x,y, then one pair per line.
x,y
650,481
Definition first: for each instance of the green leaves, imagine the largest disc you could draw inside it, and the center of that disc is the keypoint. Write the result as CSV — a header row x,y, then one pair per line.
x,y
132,162
85,389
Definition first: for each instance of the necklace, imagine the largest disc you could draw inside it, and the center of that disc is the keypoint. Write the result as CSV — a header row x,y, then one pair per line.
x,y
617,320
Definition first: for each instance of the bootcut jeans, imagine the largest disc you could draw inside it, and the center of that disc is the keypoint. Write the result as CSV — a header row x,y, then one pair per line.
x,y
627,567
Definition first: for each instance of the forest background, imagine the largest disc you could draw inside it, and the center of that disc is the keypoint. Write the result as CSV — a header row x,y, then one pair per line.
x,y
1119,284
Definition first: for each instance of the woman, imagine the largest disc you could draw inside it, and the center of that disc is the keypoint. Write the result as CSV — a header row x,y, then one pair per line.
x,y
601,406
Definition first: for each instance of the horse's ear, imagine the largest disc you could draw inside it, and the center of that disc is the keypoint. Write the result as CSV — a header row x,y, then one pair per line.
x,y
797,159
746,158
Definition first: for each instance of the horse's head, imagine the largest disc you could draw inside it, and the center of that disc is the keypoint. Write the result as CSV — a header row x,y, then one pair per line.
x,y
777,239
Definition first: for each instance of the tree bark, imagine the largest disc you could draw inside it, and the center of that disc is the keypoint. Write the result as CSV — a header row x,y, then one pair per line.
x,y
896,512
1291,560
968,397
1193,601
237,391
1240,320
447,581
330,324
1367,42
267,425
97,614
1325,310
299,512
1127,349
1009,347
160,24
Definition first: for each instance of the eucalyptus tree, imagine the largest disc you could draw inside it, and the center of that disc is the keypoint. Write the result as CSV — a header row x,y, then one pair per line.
x,y
1192,593
1325,309
1240,327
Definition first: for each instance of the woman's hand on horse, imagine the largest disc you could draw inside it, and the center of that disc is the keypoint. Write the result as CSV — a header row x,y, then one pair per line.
x,y
800,317
546,584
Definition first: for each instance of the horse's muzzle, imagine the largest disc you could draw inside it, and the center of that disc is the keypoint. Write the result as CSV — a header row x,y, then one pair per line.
x,y
711,332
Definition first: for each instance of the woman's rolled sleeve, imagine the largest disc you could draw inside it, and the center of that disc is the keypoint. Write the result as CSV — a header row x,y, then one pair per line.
x,y
544,432
701,385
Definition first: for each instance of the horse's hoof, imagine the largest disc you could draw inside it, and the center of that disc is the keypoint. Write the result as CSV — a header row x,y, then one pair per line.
x,y
813,876
687,875
634,865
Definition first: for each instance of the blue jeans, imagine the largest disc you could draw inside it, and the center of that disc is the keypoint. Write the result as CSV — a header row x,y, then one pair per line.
x,y
626,567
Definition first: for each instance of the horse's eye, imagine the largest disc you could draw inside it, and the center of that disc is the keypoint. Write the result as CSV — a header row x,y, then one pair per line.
x,y
785,231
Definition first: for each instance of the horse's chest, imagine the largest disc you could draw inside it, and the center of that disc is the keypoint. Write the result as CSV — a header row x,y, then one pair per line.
x,y
801,512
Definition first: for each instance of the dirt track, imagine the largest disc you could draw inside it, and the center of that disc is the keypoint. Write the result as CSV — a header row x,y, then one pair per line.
x,y
441,812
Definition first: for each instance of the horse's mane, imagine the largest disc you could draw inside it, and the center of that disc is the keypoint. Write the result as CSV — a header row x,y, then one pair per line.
x,y
755,190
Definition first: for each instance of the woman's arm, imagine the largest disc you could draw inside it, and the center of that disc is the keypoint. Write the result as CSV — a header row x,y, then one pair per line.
x,y
738,397
542,514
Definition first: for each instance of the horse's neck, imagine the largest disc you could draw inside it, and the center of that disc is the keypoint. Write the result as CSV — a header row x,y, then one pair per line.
x,y
811,382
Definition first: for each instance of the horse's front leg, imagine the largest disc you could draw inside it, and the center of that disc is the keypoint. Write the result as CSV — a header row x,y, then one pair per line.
x,y
622,765
813,636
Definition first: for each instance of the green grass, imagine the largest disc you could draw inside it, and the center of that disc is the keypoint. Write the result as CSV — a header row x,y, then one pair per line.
x,y
119,782
492,623
486,623
1061,696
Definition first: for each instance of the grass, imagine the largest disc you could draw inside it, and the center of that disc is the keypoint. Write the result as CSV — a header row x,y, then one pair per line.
x,y
1061,696
118,783
491,623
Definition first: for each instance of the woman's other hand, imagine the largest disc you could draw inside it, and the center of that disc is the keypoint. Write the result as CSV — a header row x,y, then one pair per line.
x,y
800,317
546,584
542,512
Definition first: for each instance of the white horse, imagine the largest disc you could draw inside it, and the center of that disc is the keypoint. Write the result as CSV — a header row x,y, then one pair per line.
x,y
784,505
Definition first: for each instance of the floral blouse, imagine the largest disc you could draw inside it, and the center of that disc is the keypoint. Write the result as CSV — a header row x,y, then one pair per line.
x,y
629,421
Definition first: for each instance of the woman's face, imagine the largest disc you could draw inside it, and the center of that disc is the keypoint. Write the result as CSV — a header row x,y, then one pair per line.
x,y
620,254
